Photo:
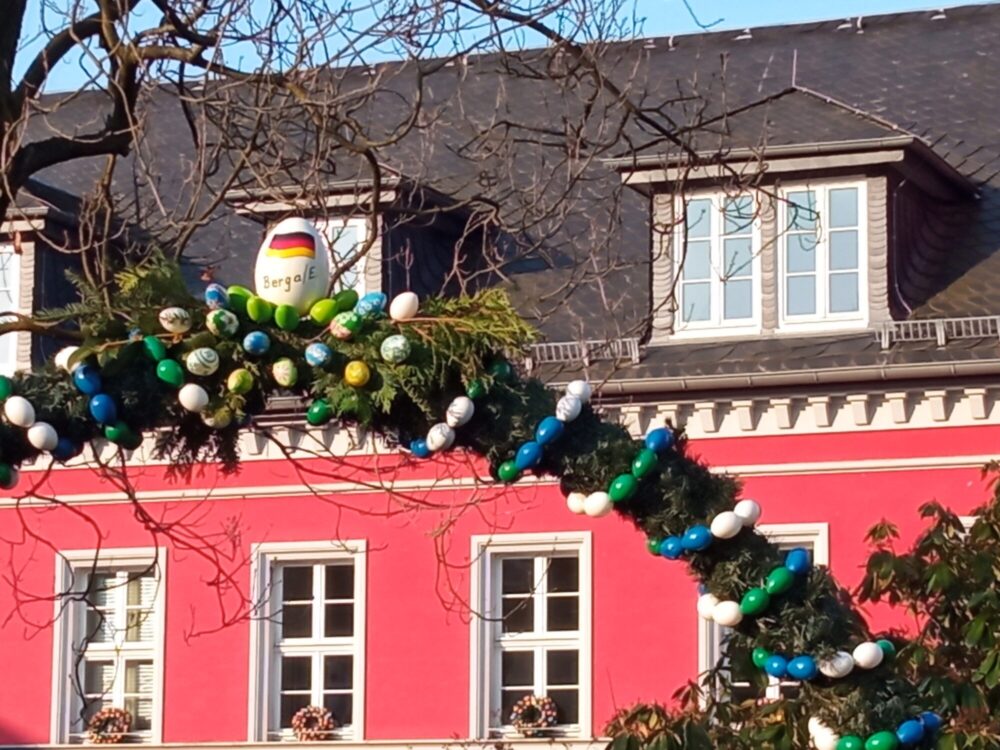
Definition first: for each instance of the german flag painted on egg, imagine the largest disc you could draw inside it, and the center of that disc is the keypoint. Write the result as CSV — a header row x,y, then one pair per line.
x,y
292,245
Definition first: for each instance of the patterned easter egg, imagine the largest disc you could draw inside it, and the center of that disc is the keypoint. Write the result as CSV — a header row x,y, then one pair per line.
x,y
202,361
219,419
256,343
372,305
318,354
357,374
345,325
440,437
293,265
395,349
216,297
460,411
175,319
239,381
285,373
222,323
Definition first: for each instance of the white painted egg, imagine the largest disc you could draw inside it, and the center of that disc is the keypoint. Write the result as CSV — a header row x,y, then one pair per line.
x,y
19,411
395,349
193,397
825,738
175,319
837,666
460,411
568,408
285,373
43,436
202,361
581,389
62,357
726,525
576,501
293,265
706,606
598,504
868,655
748,511
440,437
404,306
727,614
222,323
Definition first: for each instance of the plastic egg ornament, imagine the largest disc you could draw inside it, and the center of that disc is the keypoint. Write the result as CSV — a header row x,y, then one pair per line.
x,y
222,323
193,397
575,501
549,430
404,306
802,668
372,305
440,437
868,655
42,436
568,408
293,265
706,606
726,525
64,450
581,389
727,614
344,325
659,439
825,738
256,343
61,360
19,411
8,477
748,511
284,372
87,380
395,349
837,666
932,722
672,548
797,560
598,504
216,297
318,354
910,732
528,456
460,411
418,448
175,320
202,361
696,538
102,409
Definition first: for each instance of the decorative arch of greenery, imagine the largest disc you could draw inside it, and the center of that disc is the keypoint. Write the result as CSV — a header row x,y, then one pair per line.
x,y
459,346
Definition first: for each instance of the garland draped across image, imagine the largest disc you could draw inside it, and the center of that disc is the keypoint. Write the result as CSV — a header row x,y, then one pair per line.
x,y
436,375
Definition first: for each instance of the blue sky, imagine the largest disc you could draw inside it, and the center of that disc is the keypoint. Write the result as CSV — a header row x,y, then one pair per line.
x,y
657,18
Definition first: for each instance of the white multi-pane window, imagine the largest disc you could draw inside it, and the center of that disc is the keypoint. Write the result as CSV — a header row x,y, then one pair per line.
x,y
312,638
714,647
110,645
715,259
10,293
533,633
345,238
822,259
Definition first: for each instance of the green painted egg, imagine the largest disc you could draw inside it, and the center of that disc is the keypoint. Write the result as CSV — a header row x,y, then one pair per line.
x,y
222,323
623,487
287,317
118,433
345,325
320,412
779,580
238,298
759,656
259,309
239,381
754,602
475,389
645,462
322,312
395,349
6,387
285,373
154,348
346,300
170,372
882,741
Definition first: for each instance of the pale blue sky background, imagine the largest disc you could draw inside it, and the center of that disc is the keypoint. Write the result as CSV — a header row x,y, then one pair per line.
x,y
656,18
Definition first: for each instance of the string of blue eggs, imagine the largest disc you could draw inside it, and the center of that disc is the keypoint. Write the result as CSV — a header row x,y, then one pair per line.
x,y
909,733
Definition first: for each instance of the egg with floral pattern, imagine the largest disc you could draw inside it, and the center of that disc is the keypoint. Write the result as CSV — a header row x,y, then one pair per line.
x,y
318,354
395,349
222,323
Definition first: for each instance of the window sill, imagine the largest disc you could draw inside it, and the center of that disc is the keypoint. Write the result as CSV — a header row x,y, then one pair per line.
x,y
512,743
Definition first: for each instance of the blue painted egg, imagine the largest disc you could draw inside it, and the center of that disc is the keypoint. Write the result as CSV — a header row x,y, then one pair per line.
x,y
318,354
659,440
216,296
256,343
372,305
932,722
672,548
87,380
135,334
549,430
802,668
696,538
797,561
64,450
528,456
910,732
776,666
102,409
419,448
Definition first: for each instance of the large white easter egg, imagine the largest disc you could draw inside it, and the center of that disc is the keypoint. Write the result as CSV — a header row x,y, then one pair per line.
x,y
581,389
726,525
748,511
568,408
293,265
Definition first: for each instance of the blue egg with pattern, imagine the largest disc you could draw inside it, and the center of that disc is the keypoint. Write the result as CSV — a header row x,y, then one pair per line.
x,y
419,448
797,561
528,456
372,305
549,430
103,409
87,380
803,668
696,539
256,343
776,666
659,440
216,297
910,732
672,548
318,354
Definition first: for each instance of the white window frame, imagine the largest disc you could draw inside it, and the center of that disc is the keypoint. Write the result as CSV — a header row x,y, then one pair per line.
x,y
263,689
716,325
8,342
330,227
70,566
797,534
823,320
487,550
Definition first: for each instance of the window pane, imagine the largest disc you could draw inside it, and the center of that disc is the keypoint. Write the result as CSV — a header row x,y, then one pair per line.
x,y
696,302
563,613
290,704
102,590
801,253
90,707
699,218
141,591
139,677
801,294
563,574
507,700
843,250
801,209
518,575
844,292
844,207
97,677
517,669
344,241
738,214
142,713
296,621
297,584
339,581
737,258
518,615
100,628
337,672
738,300
697,261
140,625
296,673
341,705
567,705
562,667
339,620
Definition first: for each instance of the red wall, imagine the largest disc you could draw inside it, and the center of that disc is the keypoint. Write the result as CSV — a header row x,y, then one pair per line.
x,y
644,632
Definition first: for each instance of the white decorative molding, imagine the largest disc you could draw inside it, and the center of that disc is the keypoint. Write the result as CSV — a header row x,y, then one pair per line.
x,y
859,408
898,406
821,410
977,402
708,413
782,412
939,405
745,414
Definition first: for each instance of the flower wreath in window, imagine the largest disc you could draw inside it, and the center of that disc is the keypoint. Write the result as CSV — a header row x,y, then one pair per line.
x,y
313,724
109,726
533,714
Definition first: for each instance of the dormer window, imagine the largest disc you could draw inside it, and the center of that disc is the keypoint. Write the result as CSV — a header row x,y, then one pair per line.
x,y
345,236
822,257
